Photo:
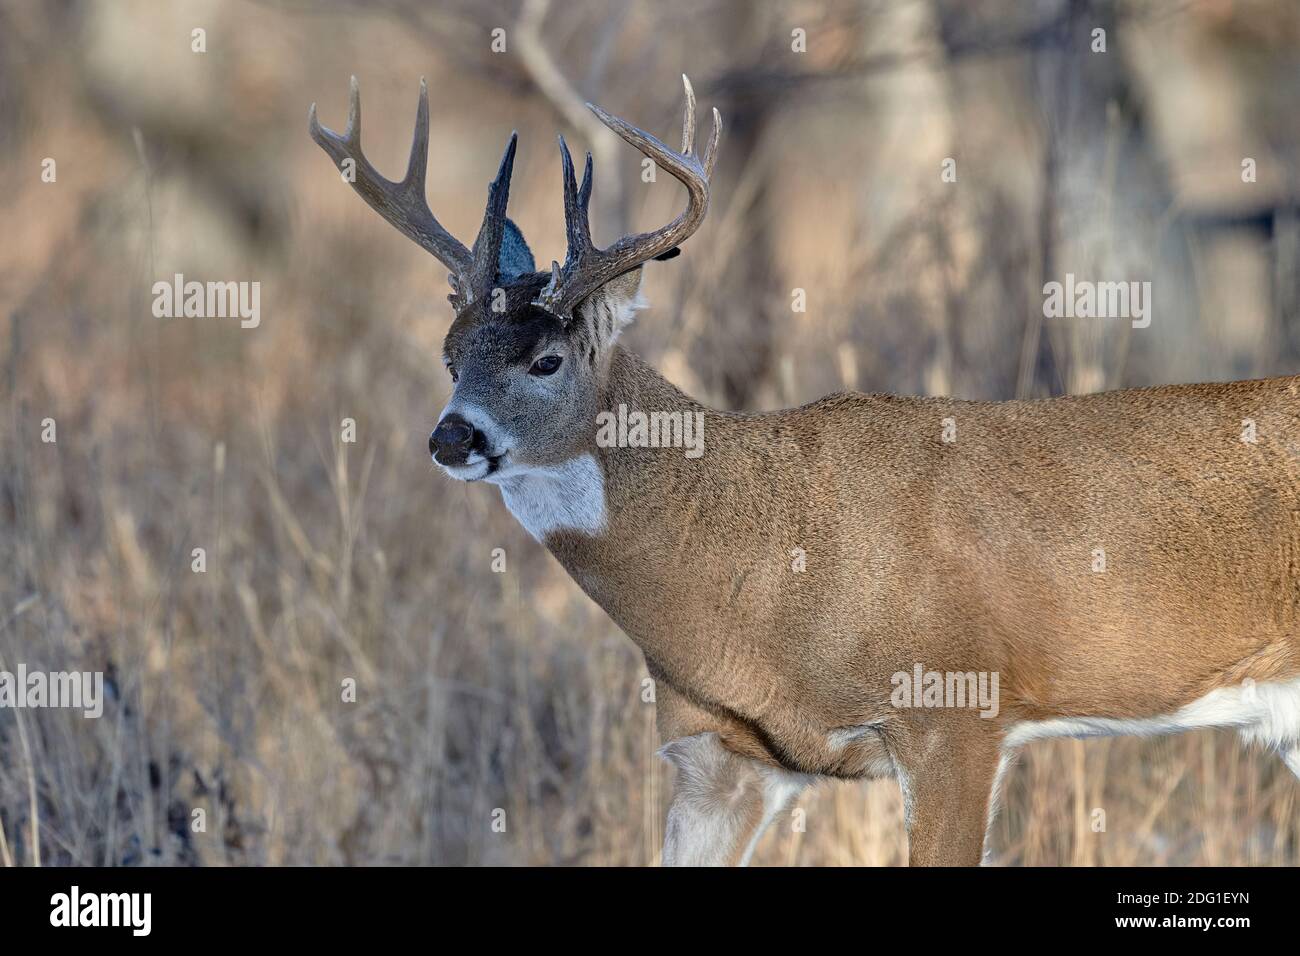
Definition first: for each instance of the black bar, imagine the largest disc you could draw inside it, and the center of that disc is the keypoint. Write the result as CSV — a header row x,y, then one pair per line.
x,y
902,906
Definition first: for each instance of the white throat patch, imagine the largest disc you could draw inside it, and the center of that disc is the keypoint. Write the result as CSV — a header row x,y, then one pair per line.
x,y
569,496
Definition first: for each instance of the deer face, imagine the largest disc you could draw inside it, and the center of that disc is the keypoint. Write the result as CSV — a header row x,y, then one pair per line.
x,y
523,394
527,382
527,349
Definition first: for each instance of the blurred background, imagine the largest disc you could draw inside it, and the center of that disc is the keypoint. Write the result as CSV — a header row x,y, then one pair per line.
x,y
508,698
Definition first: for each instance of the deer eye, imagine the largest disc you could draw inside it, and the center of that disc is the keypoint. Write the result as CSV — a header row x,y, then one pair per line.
x,y
546,365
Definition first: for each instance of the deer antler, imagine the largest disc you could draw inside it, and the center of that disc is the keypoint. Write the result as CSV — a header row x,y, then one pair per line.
x,y
403,204
587,268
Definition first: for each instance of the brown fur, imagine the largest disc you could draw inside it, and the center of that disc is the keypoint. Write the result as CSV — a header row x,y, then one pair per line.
x,y
970,556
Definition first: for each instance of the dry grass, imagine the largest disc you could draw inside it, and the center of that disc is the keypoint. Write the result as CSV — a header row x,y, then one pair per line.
x,y
481,692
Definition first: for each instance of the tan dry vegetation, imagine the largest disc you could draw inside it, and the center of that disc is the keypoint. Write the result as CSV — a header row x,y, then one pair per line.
x,y
481,691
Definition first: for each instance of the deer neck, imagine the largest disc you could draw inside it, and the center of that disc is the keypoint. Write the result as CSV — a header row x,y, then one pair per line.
x,y
618,518
601,491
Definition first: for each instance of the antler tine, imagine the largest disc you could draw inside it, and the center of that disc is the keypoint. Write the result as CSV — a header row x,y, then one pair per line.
x,y
402,204
577,220
577,226
353,133
688,130
584,199
417,166
688,120
711,150
487,247
586,268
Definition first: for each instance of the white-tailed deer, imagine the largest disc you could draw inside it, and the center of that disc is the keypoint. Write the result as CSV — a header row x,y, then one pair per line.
x,y
869,585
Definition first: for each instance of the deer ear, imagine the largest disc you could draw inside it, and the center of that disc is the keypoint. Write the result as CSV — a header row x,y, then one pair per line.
x,y
516,258
610,308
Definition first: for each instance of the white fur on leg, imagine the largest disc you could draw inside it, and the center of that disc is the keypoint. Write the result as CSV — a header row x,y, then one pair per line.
x,y
1292,758
1005,762
722,803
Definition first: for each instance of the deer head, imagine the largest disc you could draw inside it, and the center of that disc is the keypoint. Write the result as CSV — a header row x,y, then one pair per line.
x,y
527,349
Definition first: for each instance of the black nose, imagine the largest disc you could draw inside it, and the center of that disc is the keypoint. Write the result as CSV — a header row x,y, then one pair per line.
x,y
451,441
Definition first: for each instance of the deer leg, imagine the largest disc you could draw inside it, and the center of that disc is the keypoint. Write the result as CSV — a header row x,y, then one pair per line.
x,y
722,802
947,783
